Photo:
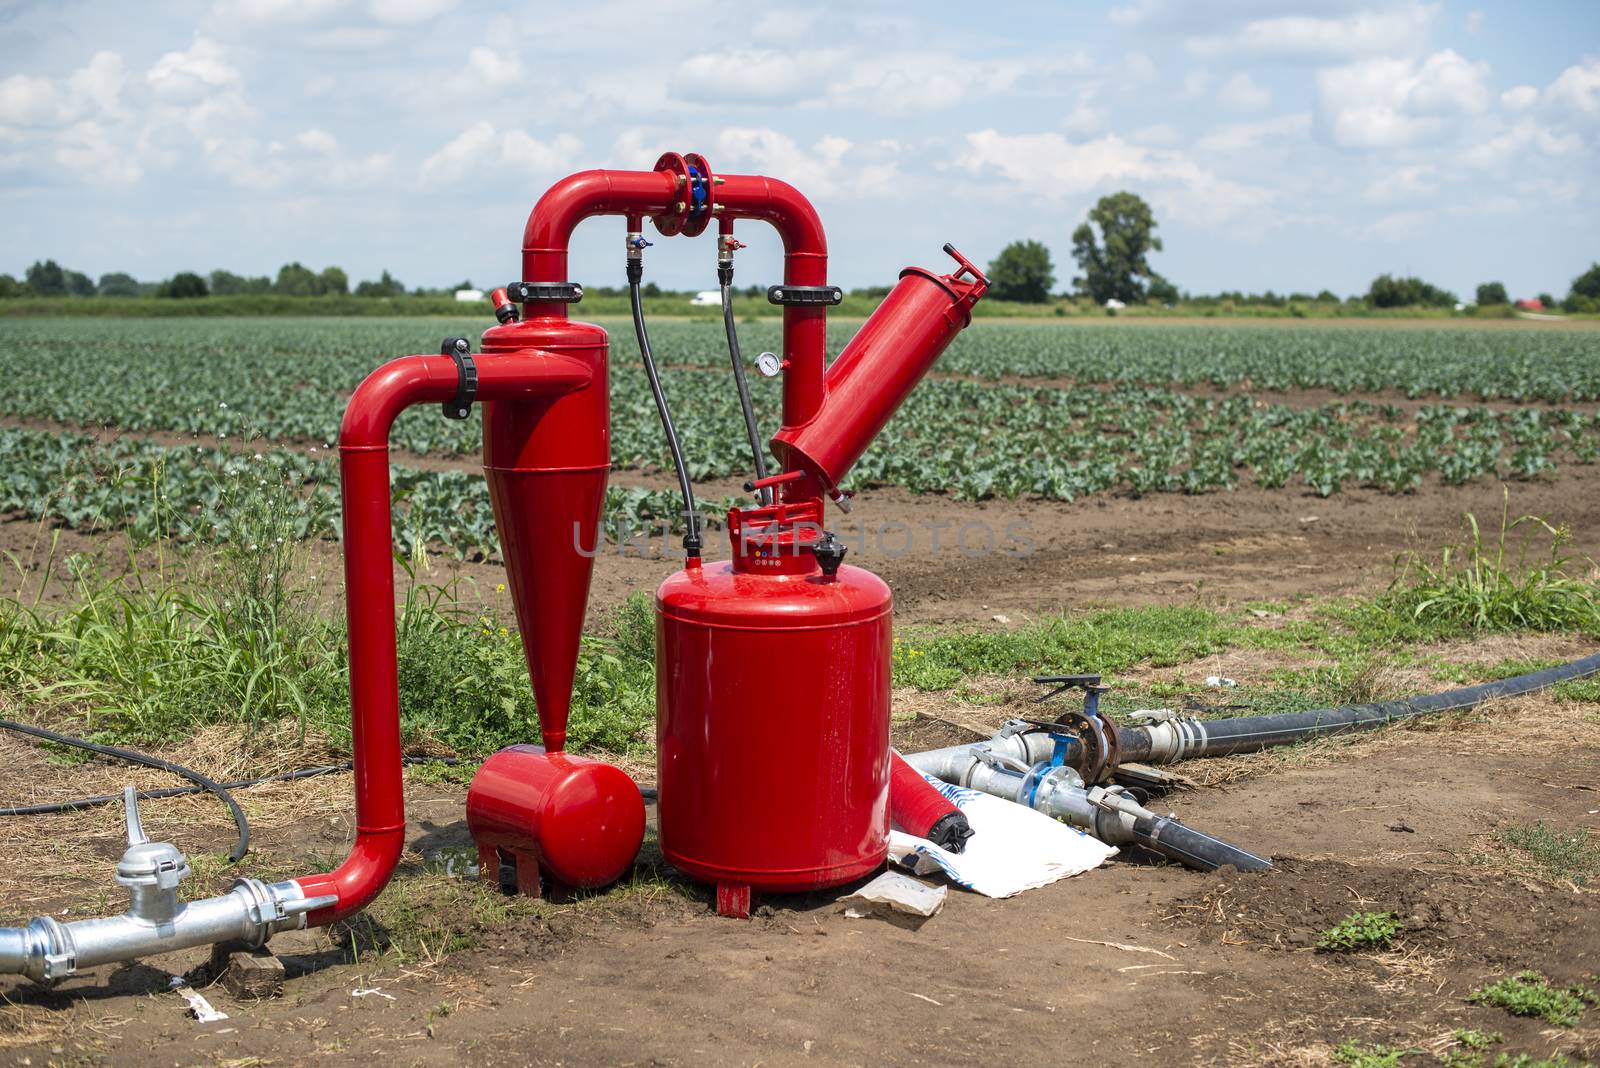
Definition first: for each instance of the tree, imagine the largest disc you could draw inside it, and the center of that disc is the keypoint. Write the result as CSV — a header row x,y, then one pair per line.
x,y
1022,272
118,284
1387,291
228,284
1114,260
10,287
1547,300
1327,296
47,279
1162,291
78,284
1585,292
1587,284
183,284
387,286
1492,293
333,280
296,280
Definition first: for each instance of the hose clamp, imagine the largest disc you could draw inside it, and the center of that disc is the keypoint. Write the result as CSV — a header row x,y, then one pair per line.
x,y
544,292
459,349
805,296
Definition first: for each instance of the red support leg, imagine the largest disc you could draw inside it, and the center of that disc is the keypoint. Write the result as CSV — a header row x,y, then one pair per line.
x,y
527,872
733,899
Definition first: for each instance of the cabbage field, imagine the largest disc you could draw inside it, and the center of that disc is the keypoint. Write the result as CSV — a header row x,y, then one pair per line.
x,y
1020,409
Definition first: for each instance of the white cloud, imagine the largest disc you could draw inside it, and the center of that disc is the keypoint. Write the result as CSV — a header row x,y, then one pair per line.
x,y
1519,97
1085,117
1242,94
274,12
95,88
892,84
1577,88
1159,134
481,147
87,150
1520,145
1390,103
409,11
1291,37
1050,167
1397,226
1407,183
193,74
832,167
1239,136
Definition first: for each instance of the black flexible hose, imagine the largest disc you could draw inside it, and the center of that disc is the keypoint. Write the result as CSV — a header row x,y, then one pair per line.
x,y
1192,848
200,781
51,807
764,495
1247,734
691,540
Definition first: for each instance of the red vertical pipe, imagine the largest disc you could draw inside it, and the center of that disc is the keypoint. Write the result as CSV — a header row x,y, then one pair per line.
x,y
548,234
369,595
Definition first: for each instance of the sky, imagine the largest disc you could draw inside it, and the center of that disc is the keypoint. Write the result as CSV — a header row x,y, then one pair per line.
x,y
1292,146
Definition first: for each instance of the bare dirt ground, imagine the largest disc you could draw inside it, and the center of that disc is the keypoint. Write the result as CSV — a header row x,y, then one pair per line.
x,y
1133,961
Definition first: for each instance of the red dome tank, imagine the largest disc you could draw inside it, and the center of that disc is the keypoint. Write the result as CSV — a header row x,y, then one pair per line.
x,y
772,721
577,820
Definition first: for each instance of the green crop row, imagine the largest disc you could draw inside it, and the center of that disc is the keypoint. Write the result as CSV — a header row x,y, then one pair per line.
x,y
289,379
194,493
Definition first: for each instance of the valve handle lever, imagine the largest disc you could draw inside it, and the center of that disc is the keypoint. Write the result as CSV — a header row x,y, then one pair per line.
x,y
130,815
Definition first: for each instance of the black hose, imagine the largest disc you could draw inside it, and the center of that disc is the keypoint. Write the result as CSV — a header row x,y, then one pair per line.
x,y
1247,734
1192,848
200,781
691,540
49,808
764,495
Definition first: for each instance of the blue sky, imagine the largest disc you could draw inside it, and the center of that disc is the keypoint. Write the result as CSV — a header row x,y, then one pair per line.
x,y
1291,146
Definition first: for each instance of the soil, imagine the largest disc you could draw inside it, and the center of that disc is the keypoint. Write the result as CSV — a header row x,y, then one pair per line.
x,y
1133,961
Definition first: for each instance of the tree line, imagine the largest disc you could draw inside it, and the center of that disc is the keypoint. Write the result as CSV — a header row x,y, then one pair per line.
x,y
47,278
1112,247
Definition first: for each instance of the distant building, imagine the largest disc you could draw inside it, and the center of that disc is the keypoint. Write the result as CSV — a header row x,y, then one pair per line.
x,y
1115,305
469,296
710,298
1531,304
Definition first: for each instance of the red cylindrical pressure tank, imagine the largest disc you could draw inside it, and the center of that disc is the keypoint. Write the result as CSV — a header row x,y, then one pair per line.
x,y
772,718
576,820
879,367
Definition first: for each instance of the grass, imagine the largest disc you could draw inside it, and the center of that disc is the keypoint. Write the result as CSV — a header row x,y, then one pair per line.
x,y
1528,993
1354,1055
1481,586
1572,857
1360,931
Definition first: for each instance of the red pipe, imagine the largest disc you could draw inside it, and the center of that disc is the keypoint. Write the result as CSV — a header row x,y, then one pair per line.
x,y
739,196
369,593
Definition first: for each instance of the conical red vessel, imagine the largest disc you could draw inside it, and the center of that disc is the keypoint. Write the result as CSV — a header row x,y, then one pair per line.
x,y
546,463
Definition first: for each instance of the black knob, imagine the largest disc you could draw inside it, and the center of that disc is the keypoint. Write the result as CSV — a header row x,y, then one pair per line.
x,y
829,552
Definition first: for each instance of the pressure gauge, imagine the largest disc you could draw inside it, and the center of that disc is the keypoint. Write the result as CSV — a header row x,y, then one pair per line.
x,y
768,364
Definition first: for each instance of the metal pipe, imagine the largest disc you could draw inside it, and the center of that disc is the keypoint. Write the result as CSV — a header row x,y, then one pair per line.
x,y
1173,738
47,950
369,592
571,200
1001,767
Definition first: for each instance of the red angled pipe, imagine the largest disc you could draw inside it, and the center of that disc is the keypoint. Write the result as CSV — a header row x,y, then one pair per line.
x,y
548,234
369,592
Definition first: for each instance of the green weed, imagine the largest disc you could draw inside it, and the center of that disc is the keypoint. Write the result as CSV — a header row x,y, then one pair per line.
x,y
1529,993
1360,931
1355,1055
1573,856
1476,587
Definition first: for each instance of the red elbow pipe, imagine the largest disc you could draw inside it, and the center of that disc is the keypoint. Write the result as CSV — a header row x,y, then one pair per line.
x,y
548,234
369,594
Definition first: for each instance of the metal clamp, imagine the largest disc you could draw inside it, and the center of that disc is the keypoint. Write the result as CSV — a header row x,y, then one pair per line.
x,y
805,296
460,350
545,292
